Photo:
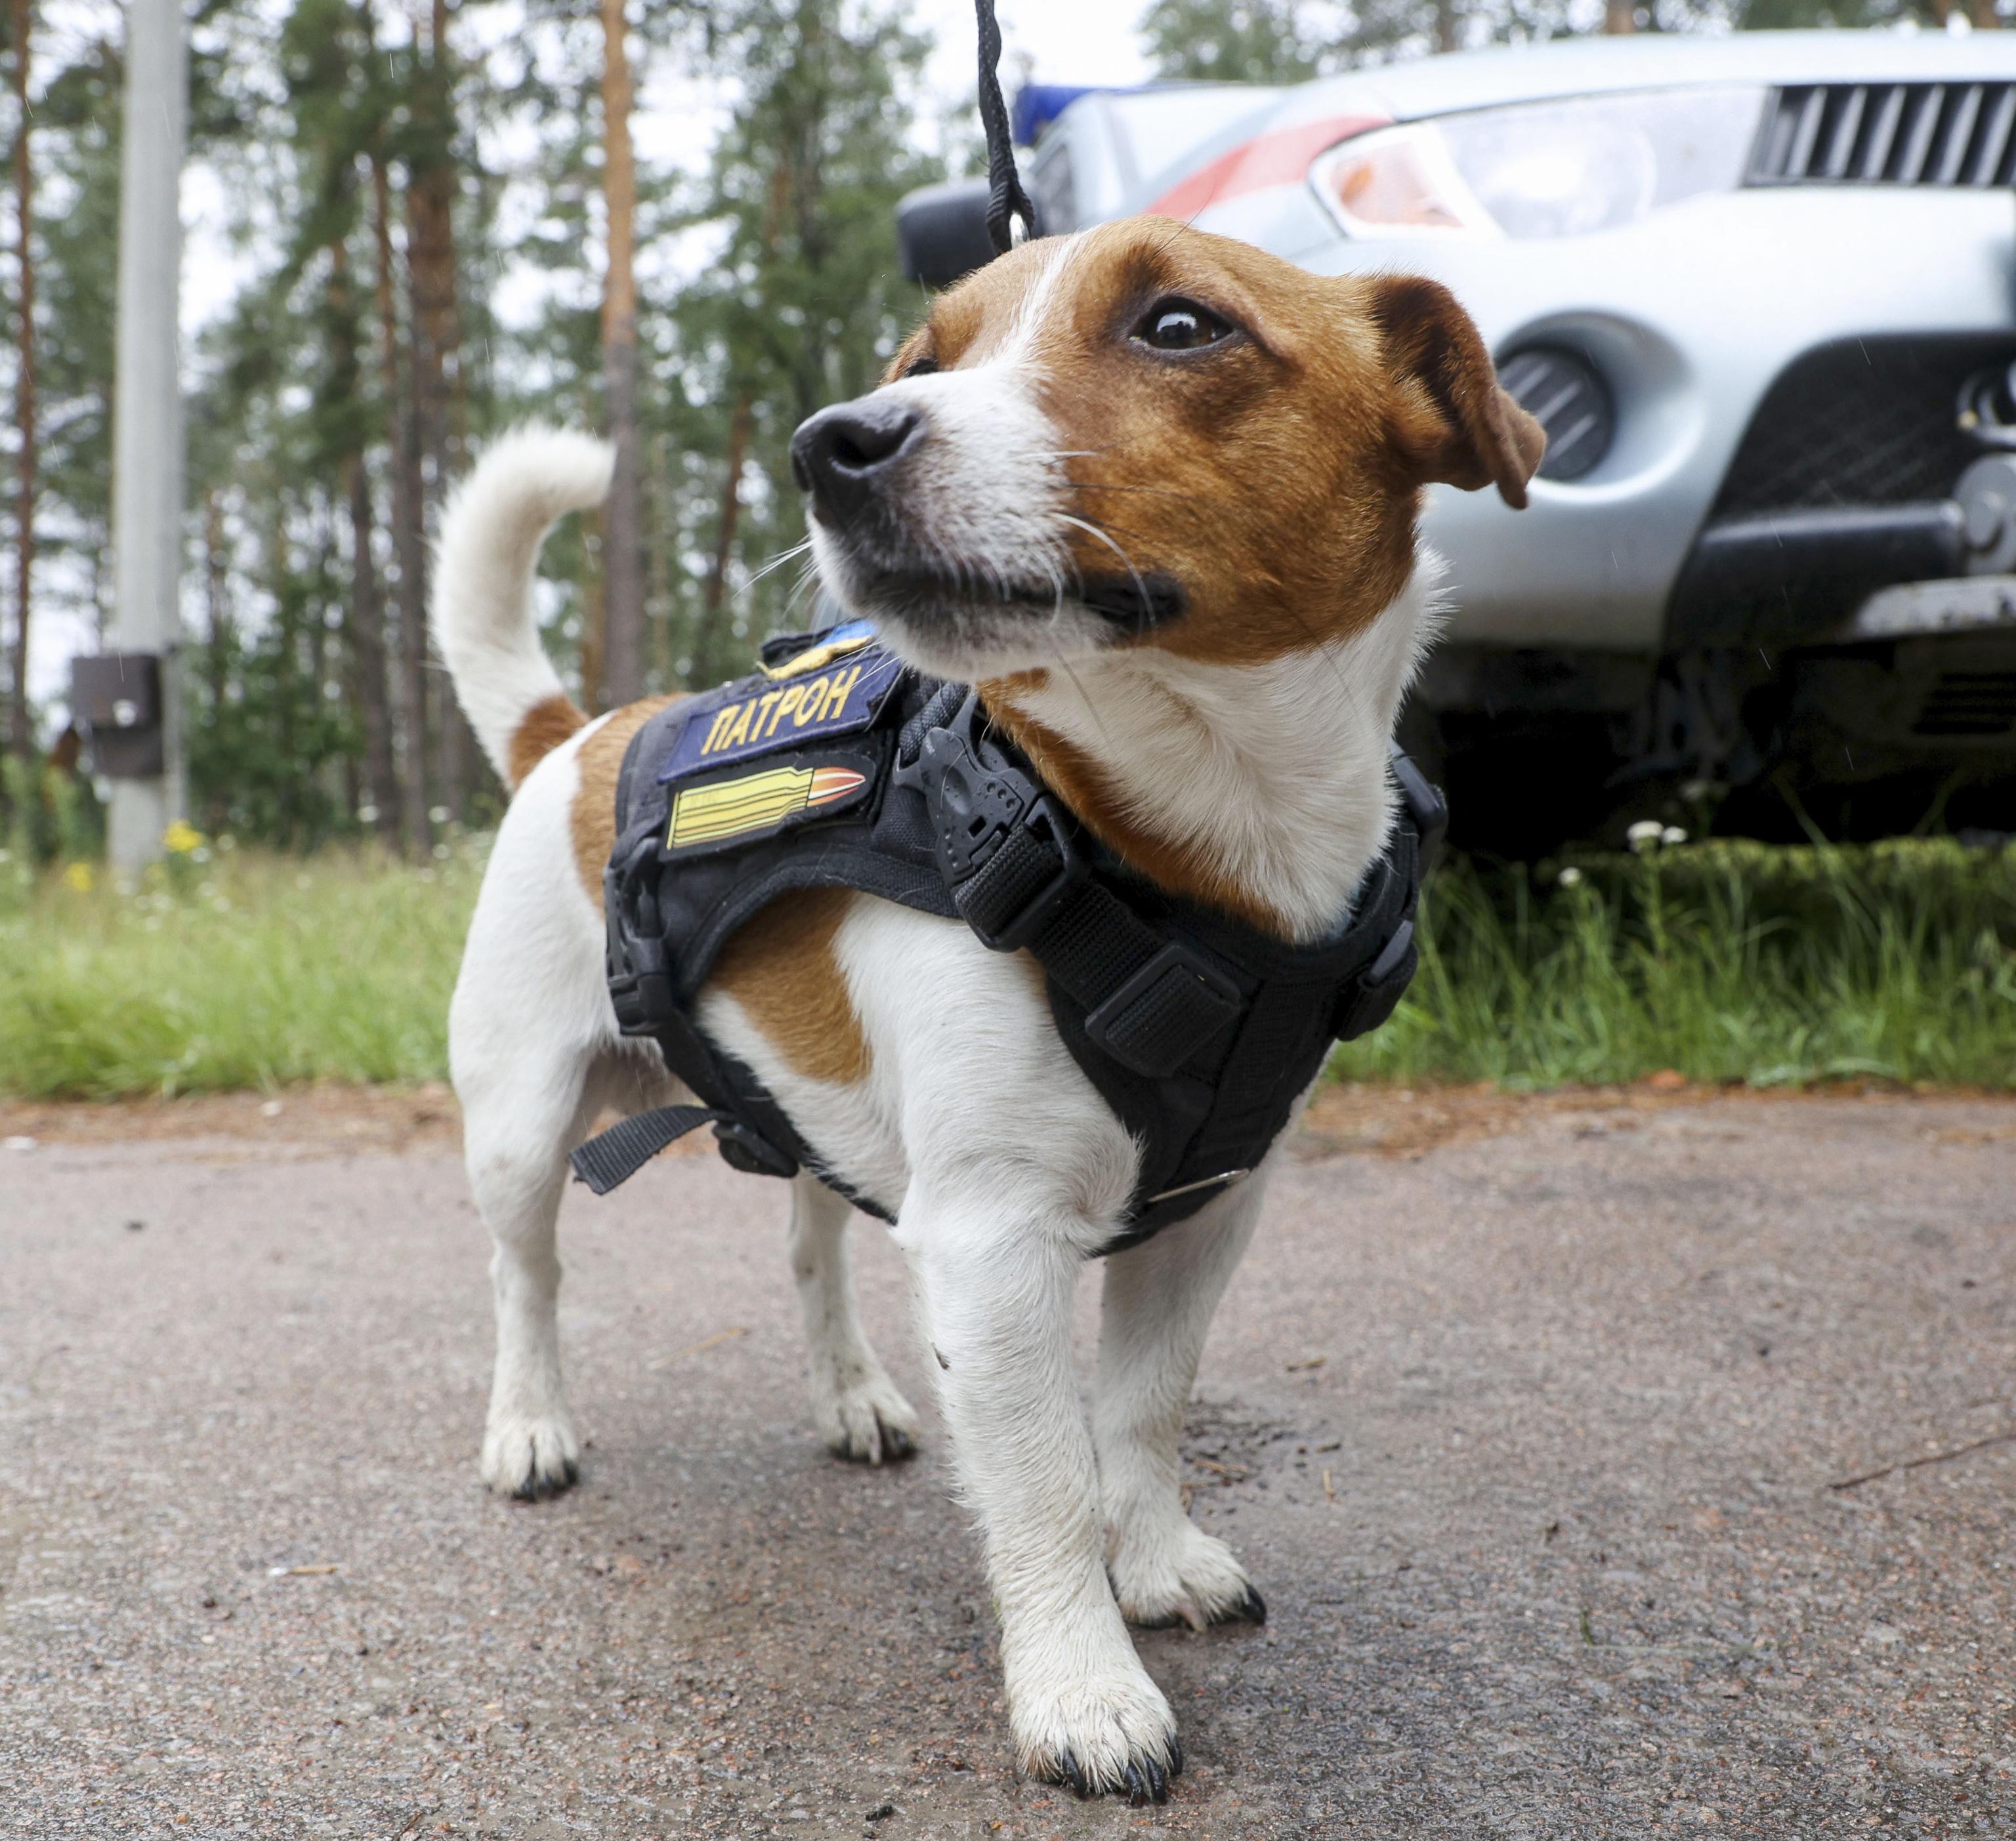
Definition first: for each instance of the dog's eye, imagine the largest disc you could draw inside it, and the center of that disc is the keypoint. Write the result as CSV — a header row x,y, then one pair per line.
x,y
922,367
1181,325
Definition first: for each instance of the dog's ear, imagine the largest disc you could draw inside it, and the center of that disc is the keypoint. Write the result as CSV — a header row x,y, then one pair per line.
x,y
1451,419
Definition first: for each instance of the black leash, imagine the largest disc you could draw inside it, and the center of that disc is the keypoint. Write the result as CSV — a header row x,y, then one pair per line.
x,y
1006,200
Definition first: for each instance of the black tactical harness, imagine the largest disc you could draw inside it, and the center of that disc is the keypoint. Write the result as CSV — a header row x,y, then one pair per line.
x,y
1200,1032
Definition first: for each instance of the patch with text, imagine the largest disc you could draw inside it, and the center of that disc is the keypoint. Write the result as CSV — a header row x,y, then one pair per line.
x,y
762,804
754,717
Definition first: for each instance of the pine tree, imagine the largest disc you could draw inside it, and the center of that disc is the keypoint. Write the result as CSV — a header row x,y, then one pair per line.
x,y
622,570
806,301
1230,42
21,725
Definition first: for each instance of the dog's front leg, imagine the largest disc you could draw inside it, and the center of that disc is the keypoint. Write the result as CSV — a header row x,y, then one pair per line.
x,y
995,1287
1159,1299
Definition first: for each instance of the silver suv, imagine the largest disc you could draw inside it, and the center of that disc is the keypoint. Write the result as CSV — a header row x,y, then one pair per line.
x,y
1762,291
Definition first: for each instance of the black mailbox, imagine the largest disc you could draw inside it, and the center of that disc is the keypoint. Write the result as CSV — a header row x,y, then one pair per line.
x,y
115,697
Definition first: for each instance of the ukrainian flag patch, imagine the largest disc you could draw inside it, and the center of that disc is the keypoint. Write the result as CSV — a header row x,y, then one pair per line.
x,y
762,803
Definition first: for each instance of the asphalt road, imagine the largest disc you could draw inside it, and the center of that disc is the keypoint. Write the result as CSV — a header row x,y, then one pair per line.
x,y
1535,1437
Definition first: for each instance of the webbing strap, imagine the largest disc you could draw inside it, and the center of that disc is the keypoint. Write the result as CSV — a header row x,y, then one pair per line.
x,y
615,1156
1150,1002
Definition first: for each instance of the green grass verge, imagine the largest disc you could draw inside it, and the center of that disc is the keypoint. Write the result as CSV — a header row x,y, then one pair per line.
x,y
1727,961
245,971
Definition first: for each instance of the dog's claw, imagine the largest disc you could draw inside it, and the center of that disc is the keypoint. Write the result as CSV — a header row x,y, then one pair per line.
x,y
1175,1756
1253,1607
536,1488
1070,1771
1137,1787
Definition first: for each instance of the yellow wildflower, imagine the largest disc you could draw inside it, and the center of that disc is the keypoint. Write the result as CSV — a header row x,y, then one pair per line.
x,y
181,837
79,877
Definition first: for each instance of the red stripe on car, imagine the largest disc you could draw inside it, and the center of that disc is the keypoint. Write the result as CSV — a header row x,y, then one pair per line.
x,y
1277,159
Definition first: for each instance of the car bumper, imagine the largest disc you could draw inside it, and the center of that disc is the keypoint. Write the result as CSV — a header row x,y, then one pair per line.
x,y
1689,316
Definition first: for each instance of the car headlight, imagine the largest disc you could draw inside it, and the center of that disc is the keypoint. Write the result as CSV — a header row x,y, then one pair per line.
x,y
1542,169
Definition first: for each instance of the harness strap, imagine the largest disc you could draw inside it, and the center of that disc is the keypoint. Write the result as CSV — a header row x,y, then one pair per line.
x,y
615,1156
1150,1003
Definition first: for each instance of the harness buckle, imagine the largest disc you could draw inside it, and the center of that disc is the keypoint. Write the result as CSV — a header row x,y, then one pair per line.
x,y
1005,853
1176,1004
747,1151
1427,805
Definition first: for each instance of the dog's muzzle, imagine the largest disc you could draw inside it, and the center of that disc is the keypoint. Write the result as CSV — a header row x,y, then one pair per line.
x,y
849,457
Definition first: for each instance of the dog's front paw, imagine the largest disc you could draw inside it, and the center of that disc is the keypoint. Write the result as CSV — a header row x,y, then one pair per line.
x,y
530,1458
1182,1575
867,1422
1104,1732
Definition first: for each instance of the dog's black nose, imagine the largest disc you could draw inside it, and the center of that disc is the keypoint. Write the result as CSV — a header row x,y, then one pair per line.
x,y
843,455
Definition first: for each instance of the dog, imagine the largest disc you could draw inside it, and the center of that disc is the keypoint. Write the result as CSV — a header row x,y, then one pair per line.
x,y
1155,493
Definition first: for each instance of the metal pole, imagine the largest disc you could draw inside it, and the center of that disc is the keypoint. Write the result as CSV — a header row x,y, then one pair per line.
x,y
147,407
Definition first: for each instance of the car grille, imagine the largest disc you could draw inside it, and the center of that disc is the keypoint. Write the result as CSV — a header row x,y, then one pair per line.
x,y
1864,422
1888,134
1969,704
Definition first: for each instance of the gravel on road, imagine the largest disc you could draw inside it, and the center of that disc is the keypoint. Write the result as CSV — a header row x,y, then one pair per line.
x,y
1610,1469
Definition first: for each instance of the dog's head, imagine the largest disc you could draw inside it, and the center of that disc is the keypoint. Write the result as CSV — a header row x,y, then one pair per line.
x,y
1146,435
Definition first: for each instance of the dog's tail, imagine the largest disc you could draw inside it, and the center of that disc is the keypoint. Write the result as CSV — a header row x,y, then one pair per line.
x,y
484,621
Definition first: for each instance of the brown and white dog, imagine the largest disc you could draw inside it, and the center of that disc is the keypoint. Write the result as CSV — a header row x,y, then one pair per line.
x,y
1156,493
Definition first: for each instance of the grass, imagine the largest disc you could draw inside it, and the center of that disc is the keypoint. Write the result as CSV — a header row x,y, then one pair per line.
x,y
1725,961
243,971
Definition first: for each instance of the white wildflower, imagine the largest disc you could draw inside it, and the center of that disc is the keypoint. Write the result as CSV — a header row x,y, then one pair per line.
x,y
1673,835
1570,878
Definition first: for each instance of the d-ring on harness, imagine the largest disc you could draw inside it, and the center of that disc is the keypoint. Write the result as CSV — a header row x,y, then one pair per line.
x,y
839,767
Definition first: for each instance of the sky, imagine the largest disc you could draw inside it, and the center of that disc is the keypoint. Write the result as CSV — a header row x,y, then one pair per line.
x,y
1050,41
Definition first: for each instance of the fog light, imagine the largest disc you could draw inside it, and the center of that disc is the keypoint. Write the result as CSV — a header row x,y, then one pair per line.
x,y
1565,393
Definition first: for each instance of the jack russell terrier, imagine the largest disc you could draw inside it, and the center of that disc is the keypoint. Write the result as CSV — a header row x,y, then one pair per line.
x,y
1154,494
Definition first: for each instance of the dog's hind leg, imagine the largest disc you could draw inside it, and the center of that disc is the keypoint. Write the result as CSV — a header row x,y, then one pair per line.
x,y
516,1131
1158,1302
857,1407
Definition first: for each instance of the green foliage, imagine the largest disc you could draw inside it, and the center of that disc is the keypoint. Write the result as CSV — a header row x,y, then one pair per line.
x,y
1726,960
49,817
266,757
1230,41
804,302
255,972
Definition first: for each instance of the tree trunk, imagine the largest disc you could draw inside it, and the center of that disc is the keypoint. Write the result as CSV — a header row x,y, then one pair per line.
x,y
408,534
367,645
217,602
437,318
364,630
741,425
622,536
594,617
21,725
1620,16
715,593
